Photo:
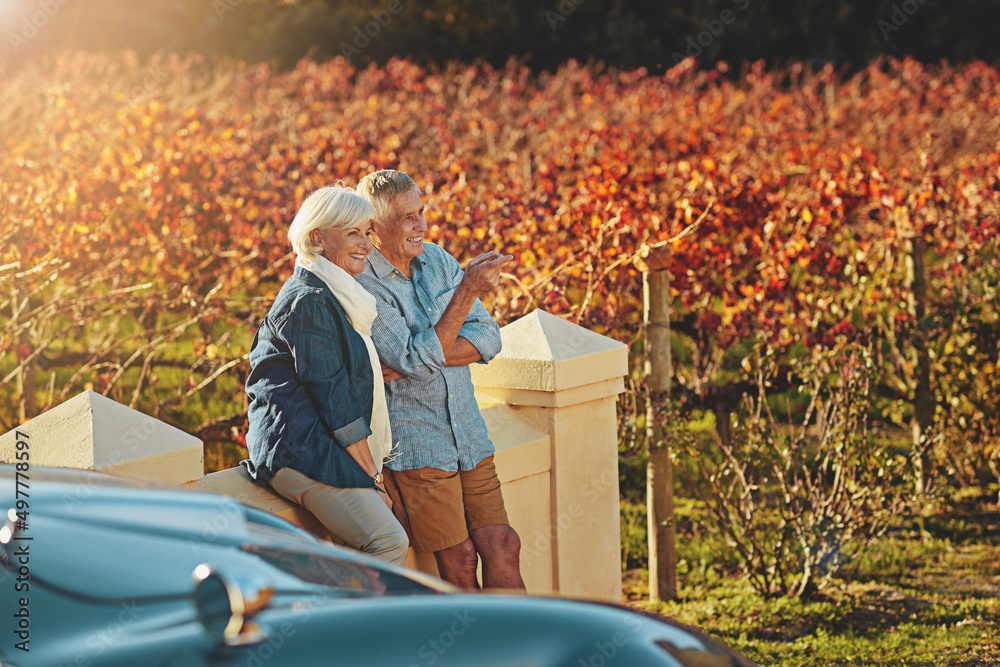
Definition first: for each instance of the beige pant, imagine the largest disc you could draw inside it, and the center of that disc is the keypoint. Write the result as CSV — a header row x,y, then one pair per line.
x,y
356,517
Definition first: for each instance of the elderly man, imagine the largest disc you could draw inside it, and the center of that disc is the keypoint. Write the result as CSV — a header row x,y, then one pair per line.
x,y
431,325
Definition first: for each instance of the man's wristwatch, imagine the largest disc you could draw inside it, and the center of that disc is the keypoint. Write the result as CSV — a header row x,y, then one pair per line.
x,y
377,478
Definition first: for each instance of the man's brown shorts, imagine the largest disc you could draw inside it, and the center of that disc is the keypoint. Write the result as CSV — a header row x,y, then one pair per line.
x,y
439,508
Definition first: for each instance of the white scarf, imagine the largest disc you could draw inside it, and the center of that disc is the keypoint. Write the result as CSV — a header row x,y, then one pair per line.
x,y
360,308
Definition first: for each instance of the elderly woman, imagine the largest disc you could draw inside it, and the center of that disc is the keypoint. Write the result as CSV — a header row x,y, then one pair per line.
x,y
319,428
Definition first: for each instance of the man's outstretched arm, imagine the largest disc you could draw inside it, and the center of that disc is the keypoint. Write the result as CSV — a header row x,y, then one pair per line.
x,y
482,275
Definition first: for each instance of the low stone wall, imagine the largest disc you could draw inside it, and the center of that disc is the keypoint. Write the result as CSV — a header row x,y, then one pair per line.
x,y
549,404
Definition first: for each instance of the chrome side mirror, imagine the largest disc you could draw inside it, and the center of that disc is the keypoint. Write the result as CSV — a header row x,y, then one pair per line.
x,y
226,603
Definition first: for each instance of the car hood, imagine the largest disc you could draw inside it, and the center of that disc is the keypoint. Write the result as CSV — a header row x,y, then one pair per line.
x,y
118,534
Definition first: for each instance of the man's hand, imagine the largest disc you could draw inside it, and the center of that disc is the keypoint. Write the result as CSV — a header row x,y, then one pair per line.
x,y
482,273
388,374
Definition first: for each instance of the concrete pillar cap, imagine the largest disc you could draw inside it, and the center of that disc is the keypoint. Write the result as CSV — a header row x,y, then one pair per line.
x,y
542,352
93,432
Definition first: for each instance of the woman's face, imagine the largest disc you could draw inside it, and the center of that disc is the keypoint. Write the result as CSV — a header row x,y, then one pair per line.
x,y
347,248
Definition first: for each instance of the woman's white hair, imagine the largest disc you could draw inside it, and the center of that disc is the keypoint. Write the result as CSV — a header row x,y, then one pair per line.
x,y
331,207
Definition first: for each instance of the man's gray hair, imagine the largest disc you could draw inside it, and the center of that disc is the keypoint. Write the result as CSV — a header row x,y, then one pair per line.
x,y
382,187
331,207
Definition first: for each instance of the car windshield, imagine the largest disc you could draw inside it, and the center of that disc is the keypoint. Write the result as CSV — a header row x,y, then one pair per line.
x,y
345,575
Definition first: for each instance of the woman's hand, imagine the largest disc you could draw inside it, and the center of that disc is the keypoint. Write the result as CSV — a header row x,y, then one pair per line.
x,y
384,495
360,452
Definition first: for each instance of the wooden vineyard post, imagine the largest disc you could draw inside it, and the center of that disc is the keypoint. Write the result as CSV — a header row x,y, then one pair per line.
x,y
659,469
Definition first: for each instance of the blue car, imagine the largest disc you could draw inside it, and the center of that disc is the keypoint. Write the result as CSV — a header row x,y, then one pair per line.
x,y
98,570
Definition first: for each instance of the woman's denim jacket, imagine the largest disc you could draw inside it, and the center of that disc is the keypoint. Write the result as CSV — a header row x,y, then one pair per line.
x,y
310,388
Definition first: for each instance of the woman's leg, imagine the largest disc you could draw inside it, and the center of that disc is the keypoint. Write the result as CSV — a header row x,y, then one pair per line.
x,y
359,517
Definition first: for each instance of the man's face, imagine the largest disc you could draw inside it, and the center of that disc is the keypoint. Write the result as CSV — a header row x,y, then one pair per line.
x,y
401,237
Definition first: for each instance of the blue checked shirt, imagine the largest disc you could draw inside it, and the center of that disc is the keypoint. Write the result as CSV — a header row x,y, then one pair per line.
x,y
432,408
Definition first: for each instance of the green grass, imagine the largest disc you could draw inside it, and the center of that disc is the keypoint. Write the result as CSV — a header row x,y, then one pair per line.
x,y
918,598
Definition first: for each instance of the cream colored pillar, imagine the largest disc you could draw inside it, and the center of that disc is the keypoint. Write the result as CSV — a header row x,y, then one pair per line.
x,y
564,380
93,432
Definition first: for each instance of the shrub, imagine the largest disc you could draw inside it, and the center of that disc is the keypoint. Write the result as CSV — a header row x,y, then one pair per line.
x,y
788,500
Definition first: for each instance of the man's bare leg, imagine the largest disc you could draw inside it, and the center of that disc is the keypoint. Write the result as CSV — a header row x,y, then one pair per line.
x,y
500,548
457,565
